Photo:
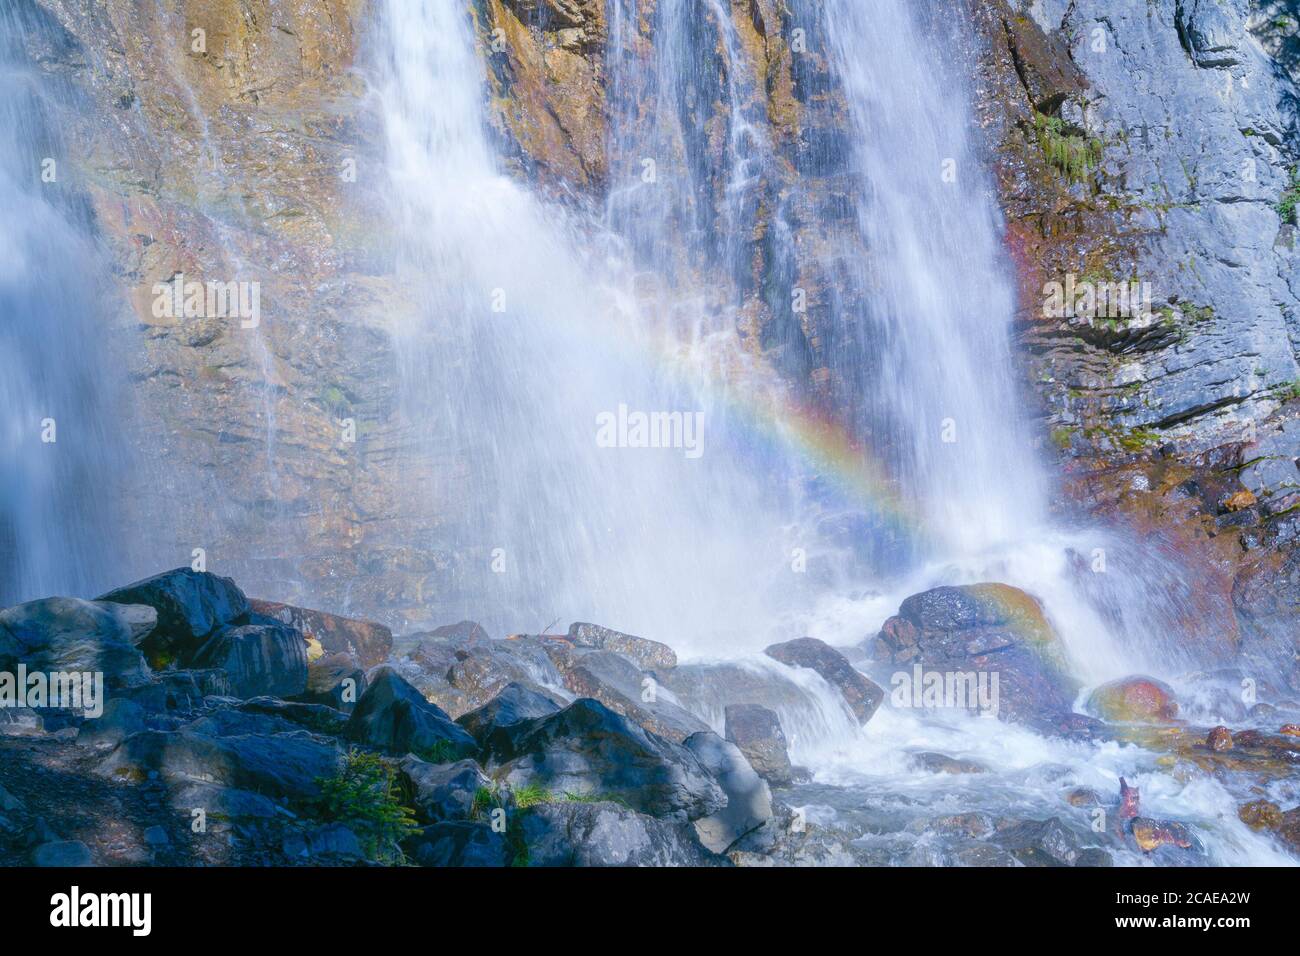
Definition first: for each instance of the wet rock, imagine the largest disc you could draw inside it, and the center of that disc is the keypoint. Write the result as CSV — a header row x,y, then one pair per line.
x,y
941,763
441,792
156,836
1289,730
860,693
335,681
1134,700
276,765
1260,815
1219,739
222,802
587,749
392,716
982,855
460,668
645,654
789,839
756,730
62,853
606,834
969,632
1130,799
121,719
365,641
516,703
749,803
70,635
1094,856
1151,834
1041,843
618,684
974,825
1083,797
8,802
190,606
458,843
259,659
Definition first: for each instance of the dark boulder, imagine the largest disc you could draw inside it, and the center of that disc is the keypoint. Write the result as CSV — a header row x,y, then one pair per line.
x,y
366,641
607,834
860,693
588,750
393,716
516,703
756,730
979,632
1041,843
314,717
259,659
441,791
121,719
190,605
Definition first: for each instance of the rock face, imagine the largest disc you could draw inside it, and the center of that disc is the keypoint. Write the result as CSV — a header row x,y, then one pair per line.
x,y
861,694
515,704
981,629
336,681
393,717
757,732
259,659
588,750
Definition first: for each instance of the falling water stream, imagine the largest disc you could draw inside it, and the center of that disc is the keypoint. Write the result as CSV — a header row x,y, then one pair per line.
x,y
533,318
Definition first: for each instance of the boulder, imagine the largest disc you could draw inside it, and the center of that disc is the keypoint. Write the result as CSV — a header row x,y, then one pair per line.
x,y
1219,739
516,702
440,792
1150,834
365,641
288,765
334,680
259,659
458,843
1137,700
932,762
749,802
392,716
756,730
462,669
72,635
589,750
645,654
332,840
190,606
1041,843
606,834
861,694
977,630
621,686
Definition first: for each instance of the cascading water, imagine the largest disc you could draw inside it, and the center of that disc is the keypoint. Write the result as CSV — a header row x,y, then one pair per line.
x,y
60,455
529,320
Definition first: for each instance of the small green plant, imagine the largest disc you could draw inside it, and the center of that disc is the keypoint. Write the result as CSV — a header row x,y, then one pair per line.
x,y
364,795
1289,392
1075,156
1286,205
530,795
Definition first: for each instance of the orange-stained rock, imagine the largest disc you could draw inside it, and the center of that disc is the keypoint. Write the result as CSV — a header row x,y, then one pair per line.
x,y
1239,501
1129,800
1142,700
1291,730
1260,815
1219,739
1152,834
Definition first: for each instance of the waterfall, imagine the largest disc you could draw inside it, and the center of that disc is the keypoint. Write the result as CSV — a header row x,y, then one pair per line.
x,y
60,454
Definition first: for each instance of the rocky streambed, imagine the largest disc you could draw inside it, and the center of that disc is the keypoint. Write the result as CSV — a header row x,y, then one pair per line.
x,y
236,731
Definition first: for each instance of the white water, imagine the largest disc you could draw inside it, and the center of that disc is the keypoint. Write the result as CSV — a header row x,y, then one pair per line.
x,y
595,312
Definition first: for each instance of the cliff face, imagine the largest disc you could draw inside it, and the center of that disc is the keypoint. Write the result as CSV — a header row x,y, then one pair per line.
x,y
1148,142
